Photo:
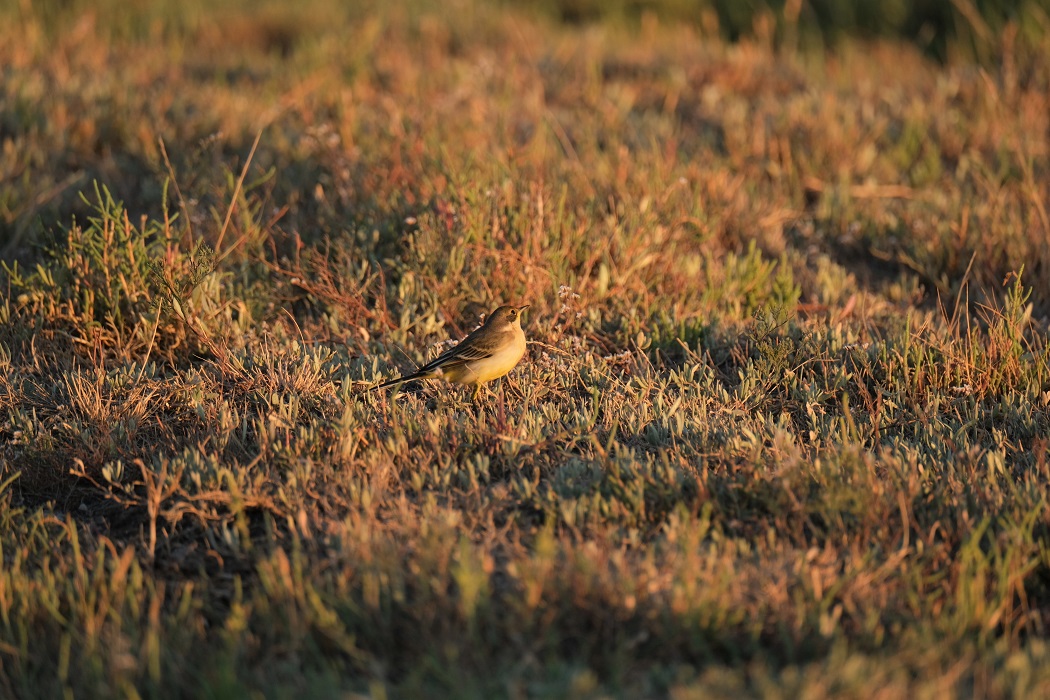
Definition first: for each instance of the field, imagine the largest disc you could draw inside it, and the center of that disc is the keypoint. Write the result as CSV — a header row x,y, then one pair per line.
x,y
782,429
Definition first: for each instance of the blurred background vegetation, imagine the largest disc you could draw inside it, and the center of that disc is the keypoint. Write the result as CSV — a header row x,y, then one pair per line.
x,y
223,42
967,29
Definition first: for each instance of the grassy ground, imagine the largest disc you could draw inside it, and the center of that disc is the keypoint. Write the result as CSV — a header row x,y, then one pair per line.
x,y
782,430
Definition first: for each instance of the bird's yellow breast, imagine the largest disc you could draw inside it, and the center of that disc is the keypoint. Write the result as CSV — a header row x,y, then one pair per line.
x,y
492,367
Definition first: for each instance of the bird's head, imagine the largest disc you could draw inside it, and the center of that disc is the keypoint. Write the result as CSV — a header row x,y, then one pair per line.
x,y
506,315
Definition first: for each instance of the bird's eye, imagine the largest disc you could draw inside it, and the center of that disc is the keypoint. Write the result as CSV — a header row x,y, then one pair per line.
x,y
513,314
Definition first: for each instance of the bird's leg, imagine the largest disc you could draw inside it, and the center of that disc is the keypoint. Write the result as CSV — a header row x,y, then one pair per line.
x,y
476,392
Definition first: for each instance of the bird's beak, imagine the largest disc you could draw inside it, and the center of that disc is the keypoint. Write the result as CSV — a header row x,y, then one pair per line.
x,y
522,308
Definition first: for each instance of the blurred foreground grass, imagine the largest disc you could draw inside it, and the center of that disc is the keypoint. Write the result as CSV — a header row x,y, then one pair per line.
x,y
782,431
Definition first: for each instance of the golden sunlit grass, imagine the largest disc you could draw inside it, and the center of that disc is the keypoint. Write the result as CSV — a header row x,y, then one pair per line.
x,y
781,429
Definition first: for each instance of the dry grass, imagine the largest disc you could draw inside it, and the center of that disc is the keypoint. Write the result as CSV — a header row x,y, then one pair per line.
x,y
782,429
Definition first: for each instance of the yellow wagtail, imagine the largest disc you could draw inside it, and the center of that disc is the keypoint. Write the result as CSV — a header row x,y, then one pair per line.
x,y
486,354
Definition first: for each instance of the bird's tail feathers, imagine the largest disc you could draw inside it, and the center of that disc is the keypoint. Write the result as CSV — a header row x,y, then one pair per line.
x,y
406,378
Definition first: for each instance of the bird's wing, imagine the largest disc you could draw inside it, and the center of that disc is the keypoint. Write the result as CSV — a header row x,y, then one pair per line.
x,y
467,350
461,354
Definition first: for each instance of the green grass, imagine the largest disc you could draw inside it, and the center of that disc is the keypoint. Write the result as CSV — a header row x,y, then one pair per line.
x,y
782,429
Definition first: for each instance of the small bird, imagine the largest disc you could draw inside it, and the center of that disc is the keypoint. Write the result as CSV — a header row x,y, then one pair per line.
x,y
486,354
